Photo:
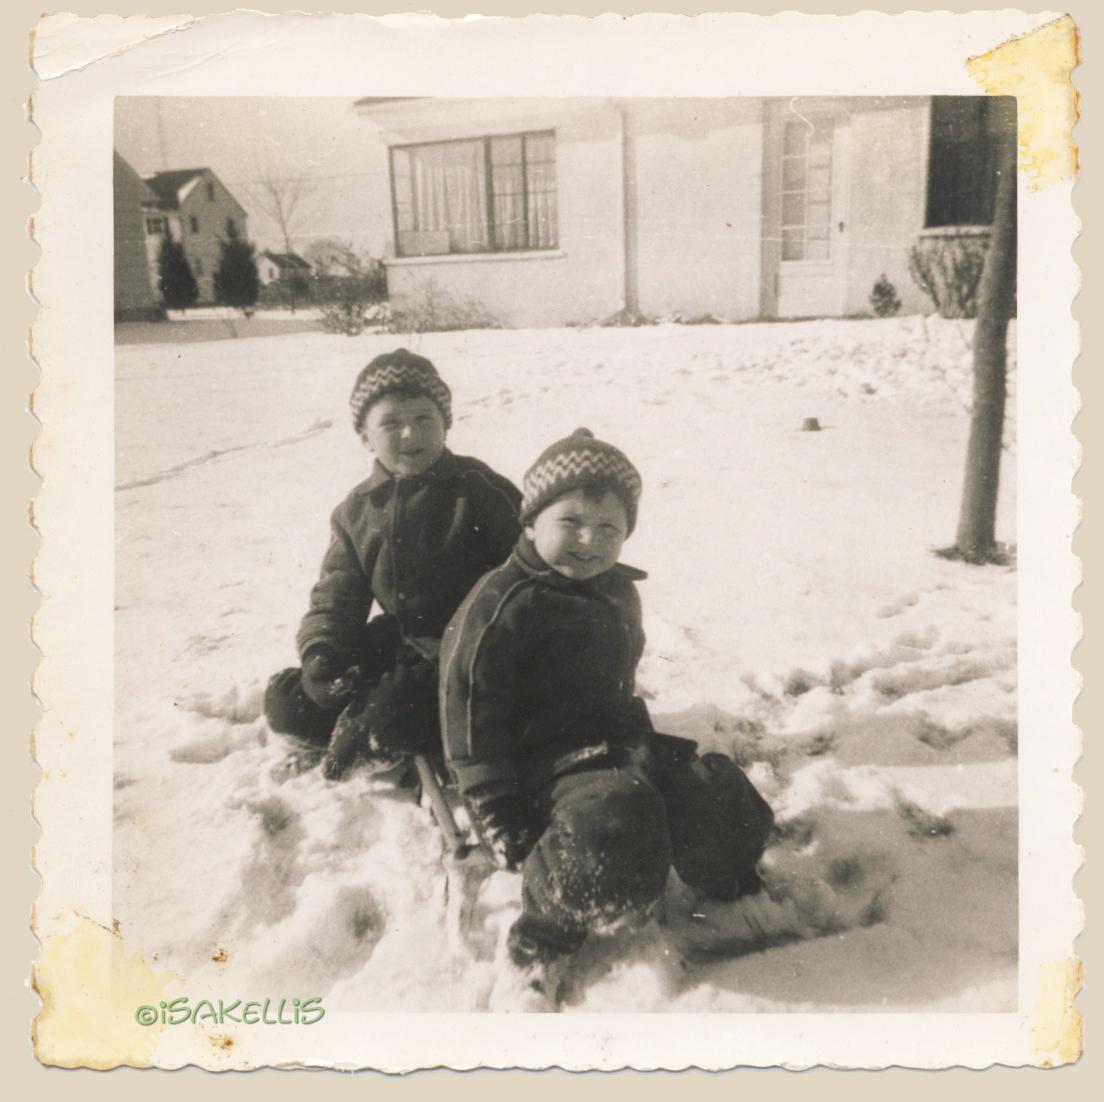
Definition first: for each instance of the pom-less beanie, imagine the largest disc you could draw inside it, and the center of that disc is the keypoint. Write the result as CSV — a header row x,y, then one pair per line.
x,y
398,370
576,461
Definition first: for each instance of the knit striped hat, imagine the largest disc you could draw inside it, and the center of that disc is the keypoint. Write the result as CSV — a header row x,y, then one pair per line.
x,y
580,460
398,370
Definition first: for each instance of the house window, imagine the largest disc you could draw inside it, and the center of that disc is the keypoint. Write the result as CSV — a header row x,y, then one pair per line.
x,y
962,158
493,194
155,226
231,228
807,189
210,192
195,223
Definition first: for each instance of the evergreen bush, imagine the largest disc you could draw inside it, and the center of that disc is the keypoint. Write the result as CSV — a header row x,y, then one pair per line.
x,y
174,276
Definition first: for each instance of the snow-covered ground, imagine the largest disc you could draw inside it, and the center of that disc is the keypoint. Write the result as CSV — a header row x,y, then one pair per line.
x,y
795,616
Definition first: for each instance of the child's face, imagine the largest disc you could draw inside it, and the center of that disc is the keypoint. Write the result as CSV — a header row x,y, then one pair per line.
x,y
580,537
407,434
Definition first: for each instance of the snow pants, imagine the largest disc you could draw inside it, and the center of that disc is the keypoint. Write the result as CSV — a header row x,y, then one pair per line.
x,y
612,833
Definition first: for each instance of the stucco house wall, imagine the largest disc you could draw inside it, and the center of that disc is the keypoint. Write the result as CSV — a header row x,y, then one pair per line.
x,y
674,207
579,281
889,160
698,179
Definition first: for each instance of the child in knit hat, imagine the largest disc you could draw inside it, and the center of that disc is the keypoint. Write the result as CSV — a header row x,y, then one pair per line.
x,y
555,757
410,541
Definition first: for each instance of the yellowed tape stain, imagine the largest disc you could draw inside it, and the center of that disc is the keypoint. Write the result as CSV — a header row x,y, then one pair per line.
x,y
90,989
1036,69
1058,1026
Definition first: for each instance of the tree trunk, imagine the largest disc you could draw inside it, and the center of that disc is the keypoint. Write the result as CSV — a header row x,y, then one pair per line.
x,y
976,539
291,278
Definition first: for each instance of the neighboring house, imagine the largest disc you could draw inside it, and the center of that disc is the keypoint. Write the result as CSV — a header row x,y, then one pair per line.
x,y
276,266
550,212
196,209
136,296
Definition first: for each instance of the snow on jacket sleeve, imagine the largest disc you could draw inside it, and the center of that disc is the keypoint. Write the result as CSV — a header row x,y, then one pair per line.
x,y
479,663
340,600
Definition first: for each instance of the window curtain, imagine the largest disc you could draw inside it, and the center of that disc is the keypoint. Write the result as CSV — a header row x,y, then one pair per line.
x,y
448,192
540,174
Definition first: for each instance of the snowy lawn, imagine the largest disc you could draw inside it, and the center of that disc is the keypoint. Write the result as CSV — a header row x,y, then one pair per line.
x,y
795,616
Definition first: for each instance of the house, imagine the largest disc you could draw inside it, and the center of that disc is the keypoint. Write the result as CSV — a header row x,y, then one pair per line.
x,y
195,208
276,266
136,296
551,212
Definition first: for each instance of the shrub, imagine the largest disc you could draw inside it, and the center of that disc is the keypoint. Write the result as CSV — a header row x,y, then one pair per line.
x,y
347,301
174,276
429,308
948,270
280,293
347,288
236,282
883,298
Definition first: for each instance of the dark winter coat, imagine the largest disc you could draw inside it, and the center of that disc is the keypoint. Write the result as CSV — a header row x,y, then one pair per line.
x,y
414,547
537,670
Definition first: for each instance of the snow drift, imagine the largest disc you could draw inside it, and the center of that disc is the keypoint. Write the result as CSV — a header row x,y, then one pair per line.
x,y
796,619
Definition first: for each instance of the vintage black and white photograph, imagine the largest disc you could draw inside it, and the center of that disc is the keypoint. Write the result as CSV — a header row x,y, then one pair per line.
x,y
565,556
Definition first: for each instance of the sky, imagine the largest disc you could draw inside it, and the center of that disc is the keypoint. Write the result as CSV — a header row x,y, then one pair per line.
x,y
238,137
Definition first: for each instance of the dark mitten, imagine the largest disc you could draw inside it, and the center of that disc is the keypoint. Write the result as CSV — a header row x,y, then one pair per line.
x,y
406,719
327,680
353,738
506,824
290,711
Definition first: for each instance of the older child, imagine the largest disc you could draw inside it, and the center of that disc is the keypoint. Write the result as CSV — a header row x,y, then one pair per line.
x,y
554,755
412,539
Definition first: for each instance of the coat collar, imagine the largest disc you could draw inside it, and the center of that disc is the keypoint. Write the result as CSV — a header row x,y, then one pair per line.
x,y
525,554
381,482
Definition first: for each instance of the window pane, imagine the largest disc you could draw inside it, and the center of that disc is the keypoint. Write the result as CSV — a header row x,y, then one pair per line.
x,y
475,195
817,214
506,151
793,173
794,138
962,159
820,151
792,245
540,147
540,197
816,250
819,182
444,199
793,209
508,187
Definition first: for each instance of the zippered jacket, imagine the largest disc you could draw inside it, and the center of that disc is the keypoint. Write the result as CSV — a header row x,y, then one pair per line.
x,y
538,669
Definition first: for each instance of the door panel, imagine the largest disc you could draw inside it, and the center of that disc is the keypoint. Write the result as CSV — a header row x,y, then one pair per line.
x,y
813,182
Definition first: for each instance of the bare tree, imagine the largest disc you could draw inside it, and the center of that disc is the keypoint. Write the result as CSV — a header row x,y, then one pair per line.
x,y
333,256
282,193
976,538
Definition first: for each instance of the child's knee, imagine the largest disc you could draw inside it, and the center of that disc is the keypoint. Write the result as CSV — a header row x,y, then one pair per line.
x,y
604,855
719,824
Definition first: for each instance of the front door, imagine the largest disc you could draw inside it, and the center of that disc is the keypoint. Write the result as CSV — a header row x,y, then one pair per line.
x,y
812,202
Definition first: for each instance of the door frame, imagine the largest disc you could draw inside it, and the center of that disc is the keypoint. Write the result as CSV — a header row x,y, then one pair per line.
x,y
773,267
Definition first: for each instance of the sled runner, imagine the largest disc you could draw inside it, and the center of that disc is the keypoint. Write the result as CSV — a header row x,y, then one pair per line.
x,y
466,864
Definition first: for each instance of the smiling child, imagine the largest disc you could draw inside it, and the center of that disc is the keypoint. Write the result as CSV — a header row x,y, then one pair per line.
x,y
412,539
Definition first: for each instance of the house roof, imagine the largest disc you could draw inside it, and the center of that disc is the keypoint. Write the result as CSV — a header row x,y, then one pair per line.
x,y
286,260
122,165
166,185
